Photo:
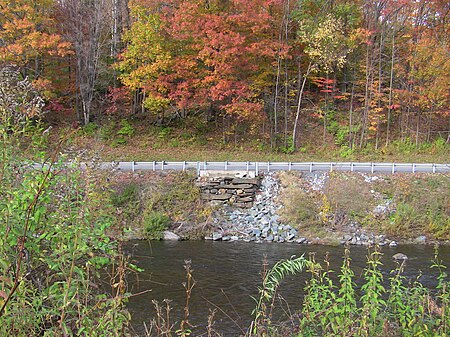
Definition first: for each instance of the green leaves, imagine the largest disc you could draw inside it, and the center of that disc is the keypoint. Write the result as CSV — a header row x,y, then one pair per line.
x,y
271,281
52,244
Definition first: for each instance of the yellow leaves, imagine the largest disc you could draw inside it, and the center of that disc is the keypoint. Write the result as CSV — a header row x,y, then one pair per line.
x,y
156,104
26,31
326,43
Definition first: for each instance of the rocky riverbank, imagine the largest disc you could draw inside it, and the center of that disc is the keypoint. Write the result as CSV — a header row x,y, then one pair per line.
x,y
262,222
266,221
305,208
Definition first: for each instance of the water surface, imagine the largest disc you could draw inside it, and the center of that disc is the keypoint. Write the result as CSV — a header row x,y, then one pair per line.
x,y
227,275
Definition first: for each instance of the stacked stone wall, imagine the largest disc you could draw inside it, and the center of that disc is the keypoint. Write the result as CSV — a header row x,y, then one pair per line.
x,y
240,192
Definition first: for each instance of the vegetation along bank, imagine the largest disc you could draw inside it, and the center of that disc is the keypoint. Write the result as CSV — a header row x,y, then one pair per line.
x,y
328,207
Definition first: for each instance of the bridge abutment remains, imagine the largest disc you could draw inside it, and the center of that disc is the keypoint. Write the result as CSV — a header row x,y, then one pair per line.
x,y
237,188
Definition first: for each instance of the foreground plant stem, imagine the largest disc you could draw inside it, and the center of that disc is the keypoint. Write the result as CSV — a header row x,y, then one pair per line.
x,y
22,240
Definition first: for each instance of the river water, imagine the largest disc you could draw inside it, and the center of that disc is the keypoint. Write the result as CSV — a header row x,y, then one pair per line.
x,y
227,275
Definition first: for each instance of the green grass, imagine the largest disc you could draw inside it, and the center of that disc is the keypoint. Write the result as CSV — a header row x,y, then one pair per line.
x,y
149,203
128,140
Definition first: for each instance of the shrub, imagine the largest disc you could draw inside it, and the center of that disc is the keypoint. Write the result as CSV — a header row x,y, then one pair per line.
x,y
129,194
53,248
155,223
90,129
343,308
107,131
126,129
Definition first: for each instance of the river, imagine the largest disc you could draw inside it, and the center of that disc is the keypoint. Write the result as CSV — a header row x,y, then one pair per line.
x,y
227,275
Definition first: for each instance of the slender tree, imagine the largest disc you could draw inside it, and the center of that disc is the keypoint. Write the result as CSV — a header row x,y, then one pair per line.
x,y
85,25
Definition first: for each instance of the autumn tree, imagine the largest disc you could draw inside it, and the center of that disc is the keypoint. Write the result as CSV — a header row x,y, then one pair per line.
x,y
30,40
86,25
327,33
202,56
147,59
27,33
424,90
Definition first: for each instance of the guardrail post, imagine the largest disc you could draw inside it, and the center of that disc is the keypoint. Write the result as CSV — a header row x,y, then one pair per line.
x,y
331,167
268,166
198,168
154,166
371,168
393,168
247,166
289,166
310,167
351,167
434,168
256,168
132,166
162,165
413,168
226,165
184,166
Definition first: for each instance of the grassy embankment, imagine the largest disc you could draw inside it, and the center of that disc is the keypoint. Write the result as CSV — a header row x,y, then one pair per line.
x,y
409,205
150,203
128,140
419,204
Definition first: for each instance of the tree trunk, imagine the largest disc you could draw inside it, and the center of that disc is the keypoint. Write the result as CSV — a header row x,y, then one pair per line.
x,y
300,96
391,80
84,26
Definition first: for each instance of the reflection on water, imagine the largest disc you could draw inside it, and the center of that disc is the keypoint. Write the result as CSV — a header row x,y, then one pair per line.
x,y
228,274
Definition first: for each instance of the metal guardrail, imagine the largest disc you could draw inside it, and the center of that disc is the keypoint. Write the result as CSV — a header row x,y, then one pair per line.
x,y
260,167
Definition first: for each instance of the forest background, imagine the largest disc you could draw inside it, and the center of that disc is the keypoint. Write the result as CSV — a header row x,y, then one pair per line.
x,y
282,76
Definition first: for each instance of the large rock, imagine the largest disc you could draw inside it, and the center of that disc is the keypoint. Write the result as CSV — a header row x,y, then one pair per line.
x,y
217,236
170,236
237,186
393,244
225,196
400,257
301,240
253,181
420,239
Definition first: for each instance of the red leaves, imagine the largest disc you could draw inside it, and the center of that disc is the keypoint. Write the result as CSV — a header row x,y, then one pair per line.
x,y
216,51
119,100
395,106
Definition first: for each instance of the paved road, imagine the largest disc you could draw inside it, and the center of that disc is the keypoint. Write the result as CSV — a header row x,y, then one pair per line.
x,y
259,167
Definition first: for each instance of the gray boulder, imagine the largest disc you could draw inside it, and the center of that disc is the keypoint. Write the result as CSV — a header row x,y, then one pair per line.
x,y
170,236
400,257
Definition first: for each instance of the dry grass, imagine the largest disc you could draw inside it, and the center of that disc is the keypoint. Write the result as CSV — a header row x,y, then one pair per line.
x,y
422,206
418,205
301,208
348,194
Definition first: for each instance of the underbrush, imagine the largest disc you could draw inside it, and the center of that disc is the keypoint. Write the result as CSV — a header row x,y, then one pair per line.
x,y
422,206
395,308
54,248
154,202
141,139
